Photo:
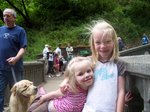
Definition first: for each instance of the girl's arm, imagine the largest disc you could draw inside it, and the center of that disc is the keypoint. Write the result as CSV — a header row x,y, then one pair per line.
x,y
121,94
50,95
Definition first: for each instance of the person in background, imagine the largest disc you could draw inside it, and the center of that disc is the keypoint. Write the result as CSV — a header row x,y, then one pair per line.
x,y
45,50
145,39
56,63
59,52
64,63
69,50
13,43
50,57
120,44
79,73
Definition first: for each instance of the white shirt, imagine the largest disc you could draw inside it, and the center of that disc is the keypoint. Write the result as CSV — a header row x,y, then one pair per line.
x,y
102,95
50,58
45,50
58,51
69,50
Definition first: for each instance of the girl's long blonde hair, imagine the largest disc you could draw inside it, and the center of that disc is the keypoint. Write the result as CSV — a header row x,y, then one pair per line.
x,y
102,26
70,70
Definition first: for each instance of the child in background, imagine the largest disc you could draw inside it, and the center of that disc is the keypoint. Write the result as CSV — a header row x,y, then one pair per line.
x,y
79,75
56,63
108,91
50,62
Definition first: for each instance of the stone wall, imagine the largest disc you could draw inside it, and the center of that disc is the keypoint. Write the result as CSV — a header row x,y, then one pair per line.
x,y
139,50
138,75
34,71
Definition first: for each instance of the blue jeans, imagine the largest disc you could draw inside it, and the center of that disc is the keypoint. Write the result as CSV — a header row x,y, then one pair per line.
x,y
6,78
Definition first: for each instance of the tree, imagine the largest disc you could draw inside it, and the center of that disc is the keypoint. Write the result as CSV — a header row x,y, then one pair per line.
x,y
1,15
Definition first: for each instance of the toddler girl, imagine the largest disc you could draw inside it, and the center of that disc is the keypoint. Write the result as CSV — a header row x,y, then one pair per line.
x,y
79,75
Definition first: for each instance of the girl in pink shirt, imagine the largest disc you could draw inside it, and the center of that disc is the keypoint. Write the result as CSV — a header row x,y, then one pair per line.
x,y
79,76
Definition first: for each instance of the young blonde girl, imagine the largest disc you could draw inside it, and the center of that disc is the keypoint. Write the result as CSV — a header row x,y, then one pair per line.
x,y
107,92
79,75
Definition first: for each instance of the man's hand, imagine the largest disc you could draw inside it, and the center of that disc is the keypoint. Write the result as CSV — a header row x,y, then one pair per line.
x,y
12,60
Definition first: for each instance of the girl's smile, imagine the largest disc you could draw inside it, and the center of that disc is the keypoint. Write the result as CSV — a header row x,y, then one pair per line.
x,y
84,75
88,79
104,45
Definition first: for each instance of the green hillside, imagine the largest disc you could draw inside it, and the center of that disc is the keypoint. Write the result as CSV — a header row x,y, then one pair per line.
x,y
64,21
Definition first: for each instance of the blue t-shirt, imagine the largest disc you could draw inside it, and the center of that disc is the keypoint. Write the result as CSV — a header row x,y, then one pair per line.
x,y
145,40
11,40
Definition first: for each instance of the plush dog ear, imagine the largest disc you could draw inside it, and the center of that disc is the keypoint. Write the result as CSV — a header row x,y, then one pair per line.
x,y
14,89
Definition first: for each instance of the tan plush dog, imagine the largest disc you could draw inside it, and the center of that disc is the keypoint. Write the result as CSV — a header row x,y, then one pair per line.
x,y
20,98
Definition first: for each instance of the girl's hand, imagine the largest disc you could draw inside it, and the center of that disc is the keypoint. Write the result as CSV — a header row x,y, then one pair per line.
x,y
64,86
42,99
128,97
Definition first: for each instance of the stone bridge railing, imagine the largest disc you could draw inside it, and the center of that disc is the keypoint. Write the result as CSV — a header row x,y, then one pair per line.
x,y
34,71
138,75
139,50
138,67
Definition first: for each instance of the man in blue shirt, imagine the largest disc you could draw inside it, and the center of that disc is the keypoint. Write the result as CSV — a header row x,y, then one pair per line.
x,y
13,43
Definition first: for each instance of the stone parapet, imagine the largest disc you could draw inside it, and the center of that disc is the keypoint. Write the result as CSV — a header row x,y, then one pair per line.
x,y
139,64
34,71
138,76
139,50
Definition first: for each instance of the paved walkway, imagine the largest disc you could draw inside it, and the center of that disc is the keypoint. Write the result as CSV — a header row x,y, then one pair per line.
x,y
52,83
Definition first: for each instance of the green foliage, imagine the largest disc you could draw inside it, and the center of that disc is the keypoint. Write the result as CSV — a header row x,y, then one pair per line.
x,y
58,11
139,12
63,35
64,21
